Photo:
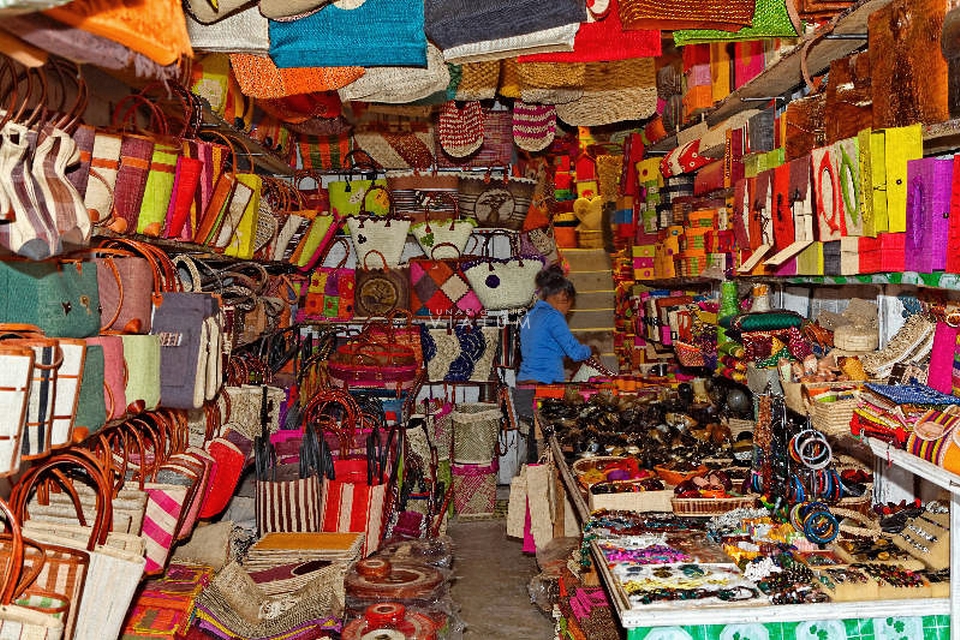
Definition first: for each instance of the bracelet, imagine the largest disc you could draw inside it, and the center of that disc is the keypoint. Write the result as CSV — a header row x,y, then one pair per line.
x,y
820,526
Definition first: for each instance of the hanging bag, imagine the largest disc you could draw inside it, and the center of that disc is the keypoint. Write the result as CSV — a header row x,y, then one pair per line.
x,y
381,291
496,203
502,283
386,236
438,286
450,230
330,293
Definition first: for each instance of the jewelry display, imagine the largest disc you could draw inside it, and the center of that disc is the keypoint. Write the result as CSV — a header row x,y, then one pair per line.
x,y
923,534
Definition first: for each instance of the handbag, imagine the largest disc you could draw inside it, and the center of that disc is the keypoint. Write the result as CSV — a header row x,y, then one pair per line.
x,y
111,569
368,364
461,352
330,293
372,33
381,291
502,283
495,203
141,357
16,381
126,284
613,92
355,501
30,232
55,150
417,194
396,141
386,235
438,287
184,340
449,234
60,297
18,620
476,428
496,149
114,375
348,194
288,495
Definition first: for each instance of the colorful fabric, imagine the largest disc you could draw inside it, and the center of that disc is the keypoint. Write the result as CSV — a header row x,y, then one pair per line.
x,y
164,607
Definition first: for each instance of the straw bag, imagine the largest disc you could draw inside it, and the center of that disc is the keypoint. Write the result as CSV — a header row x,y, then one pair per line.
x,y
22,621
476,427
399,84
418,195
438,287
381,290
450,233
385,235
462,352
503,283
771,19
496,203
613,92
111,569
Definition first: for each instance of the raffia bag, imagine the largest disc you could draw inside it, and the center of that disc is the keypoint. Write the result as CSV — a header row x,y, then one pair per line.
x,y
686,14
476,427
478,81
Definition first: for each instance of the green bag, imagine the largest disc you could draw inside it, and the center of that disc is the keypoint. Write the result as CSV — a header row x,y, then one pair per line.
x,y
159,187
59,296
771,19
141,354
91,404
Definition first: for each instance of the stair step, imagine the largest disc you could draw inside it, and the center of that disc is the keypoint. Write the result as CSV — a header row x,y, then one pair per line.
x,y
591,280
600,339
595,299
590,318
586,259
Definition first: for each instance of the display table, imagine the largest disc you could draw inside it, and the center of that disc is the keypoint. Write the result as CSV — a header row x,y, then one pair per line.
x,y
868,620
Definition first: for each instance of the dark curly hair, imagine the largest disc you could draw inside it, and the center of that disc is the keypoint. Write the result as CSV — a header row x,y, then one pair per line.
x,y
551,281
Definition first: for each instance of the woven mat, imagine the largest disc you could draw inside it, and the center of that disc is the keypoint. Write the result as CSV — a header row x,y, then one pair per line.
x,y
499,513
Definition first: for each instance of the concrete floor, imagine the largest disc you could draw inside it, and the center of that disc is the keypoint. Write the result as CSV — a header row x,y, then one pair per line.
x,y
491,583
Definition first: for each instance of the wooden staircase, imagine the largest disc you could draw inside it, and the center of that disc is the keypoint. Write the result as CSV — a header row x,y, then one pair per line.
x,y
591,319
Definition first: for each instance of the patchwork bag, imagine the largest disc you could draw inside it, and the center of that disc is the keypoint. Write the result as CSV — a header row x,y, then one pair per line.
x,y
330,293
438,287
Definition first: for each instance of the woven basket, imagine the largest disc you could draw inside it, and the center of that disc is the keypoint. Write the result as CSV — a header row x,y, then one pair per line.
x,y
476,427
688,355
833,418
709,506
474,489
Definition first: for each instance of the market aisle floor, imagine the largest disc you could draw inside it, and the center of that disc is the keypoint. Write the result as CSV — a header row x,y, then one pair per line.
x,y
491,583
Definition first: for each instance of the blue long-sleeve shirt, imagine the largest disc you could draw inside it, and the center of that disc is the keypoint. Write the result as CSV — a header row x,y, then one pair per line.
x,y
545,339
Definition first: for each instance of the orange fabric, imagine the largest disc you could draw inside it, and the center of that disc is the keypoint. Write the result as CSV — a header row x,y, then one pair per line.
x,y
259,77
155,28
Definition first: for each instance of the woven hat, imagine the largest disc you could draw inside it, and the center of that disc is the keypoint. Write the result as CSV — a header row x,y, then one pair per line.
x,y
613,92
398,85
259,77
534,126
460,131
478,80
243,31
509,79
551,82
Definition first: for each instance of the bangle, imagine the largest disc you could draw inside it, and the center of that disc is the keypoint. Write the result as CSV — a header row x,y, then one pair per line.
x,y
821,527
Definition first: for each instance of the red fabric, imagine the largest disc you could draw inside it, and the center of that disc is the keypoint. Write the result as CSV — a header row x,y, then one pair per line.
x,y
185,185
223,477
784,231
350,504
605,40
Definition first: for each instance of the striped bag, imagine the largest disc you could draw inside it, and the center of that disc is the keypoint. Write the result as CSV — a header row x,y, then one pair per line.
x,y
355,502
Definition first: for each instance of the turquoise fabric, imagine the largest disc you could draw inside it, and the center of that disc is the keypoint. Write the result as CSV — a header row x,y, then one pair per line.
x,y
378,33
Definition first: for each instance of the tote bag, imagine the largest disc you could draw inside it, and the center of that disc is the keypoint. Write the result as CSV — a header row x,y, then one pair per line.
x,y
352,502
